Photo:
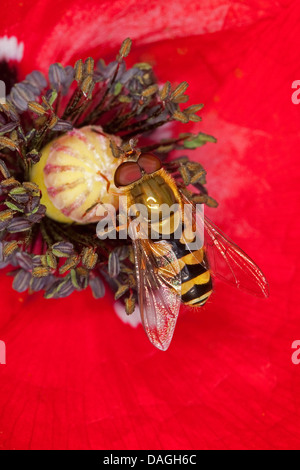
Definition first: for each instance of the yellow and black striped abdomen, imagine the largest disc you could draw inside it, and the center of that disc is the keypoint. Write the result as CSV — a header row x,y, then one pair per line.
x,y
152,191
196,283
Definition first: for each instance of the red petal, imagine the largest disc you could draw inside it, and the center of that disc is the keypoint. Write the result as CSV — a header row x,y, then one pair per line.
x,y
72,28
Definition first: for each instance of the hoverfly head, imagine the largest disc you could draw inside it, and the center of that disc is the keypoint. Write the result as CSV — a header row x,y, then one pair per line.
x,y
131,171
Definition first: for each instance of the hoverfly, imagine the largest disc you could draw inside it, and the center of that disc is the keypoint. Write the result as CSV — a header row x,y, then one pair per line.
x,y
169,272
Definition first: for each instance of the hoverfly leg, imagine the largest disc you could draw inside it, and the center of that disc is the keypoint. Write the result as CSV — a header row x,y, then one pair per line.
x,y
106,179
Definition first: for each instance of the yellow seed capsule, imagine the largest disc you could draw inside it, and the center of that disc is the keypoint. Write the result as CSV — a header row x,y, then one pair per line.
x,y
75,174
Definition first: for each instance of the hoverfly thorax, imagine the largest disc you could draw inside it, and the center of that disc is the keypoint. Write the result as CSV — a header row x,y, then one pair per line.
x,y
153,192
148,186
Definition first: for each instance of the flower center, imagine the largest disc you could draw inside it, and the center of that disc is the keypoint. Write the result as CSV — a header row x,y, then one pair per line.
x,y
59,155
75,174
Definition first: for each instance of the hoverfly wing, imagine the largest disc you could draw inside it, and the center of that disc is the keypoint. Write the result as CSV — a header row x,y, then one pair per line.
x,y
159,289
226,260
231,264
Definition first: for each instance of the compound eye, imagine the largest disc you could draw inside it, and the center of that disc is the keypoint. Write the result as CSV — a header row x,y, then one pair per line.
x,y
127,173
150,163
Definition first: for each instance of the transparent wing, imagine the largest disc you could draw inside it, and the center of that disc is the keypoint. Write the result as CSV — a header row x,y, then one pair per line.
x,y
230,263
159,289
226,260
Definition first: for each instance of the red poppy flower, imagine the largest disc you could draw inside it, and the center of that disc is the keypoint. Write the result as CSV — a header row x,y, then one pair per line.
x,y
79,378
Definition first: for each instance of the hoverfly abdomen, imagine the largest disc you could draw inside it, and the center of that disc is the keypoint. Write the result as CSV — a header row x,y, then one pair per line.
x,y
196,282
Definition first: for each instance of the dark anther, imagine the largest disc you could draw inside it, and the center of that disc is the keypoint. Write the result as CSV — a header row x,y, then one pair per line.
x,y
9,75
